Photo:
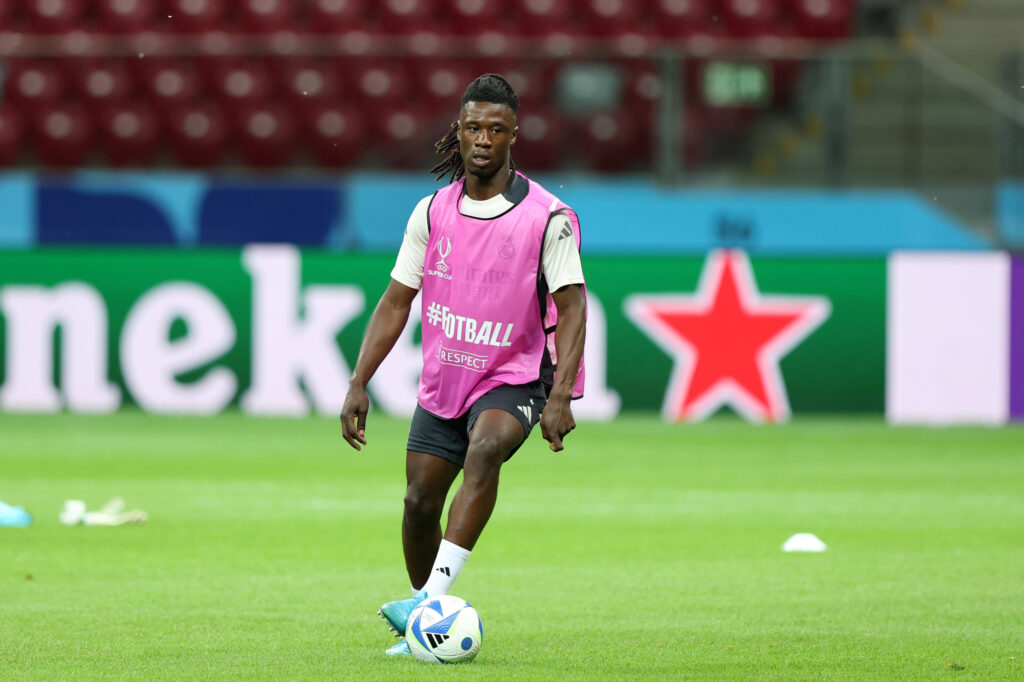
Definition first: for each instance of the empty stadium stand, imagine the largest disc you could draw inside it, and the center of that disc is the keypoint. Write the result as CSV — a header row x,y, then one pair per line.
x,y
340,83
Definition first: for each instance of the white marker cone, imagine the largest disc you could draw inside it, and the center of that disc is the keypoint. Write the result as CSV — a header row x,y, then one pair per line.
x,y
804,542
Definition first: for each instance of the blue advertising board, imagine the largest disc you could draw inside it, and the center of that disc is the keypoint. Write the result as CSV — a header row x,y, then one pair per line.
x,y
368,212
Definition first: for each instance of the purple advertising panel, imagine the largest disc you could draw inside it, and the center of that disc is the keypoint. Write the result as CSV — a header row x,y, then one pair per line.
x,y
1017,338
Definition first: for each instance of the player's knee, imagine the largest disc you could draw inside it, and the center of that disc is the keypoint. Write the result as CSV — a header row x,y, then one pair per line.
x,y
483,462
488,452
421,506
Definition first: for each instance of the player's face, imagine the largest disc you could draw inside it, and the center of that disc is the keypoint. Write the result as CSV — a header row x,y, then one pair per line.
x,y
486,131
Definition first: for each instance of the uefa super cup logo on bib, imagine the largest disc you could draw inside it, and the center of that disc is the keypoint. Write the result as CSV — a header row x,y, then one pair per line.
x,y
442,269
443,249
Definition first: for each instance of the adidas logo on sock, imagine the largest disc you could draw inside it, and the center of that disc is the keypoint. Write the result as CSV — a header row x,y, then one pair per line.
x,y
444,569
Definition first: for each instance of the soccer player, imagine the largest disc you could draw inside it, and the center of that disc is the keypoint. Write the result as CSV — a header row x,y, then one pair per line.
x,y
496,258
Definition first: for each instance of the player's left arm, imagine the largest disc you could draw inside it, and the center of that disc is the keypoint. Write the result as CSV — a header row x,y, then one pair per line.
x,y
561,267
556,420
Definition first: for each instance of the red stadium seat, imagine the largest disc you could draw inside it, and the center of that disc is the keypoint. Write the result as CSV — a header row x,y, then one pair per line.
x,y
612,17
62,135
703,42
540,144
195,16
489,45
611,142
266,16
32,83
405,138
334,134
241,82
126,16
541,17
169,83
337,16
749,18
217,46
101,83
198,134
533,81
644,88
822,19
679,18
307,81
484,64
53,16
377,81
632,44
130,134
409,16
442,82
266,133
11,133
473,17
7,12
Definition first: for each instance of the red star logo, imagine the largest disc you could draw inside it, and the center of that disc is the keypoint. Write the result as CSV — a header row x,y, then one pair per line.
x,y
727,340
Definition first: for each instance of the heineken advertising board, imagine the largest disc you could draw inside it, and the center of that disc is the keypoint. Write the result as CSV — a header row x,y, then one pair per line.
x,y
275,331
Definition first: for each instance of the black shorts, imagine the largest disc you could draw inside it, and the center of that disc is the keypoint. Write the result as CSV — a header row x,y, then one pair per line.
x,y
449,438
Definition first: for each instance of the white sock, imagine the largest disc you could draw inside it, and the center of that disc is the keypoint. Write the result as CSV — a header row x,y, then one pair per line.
x,y
447,566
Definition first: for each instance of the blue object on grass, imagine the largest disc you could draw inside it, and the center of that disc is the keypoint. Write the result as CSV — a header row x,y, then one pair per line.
x,y
397,613
14,516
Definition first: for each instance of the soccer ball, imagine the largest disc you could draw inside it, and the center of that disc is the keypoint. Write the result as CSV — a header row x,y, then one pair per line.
x,y
444,629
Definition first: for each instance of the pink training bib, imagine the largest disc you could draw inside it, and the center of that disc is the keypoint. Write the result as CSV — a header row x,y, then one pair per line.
x,y
488,318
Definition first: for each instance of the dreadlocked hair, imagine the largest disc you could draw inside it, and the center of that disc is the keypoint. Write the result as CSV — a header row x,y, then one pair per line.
x,y
449,144
489,87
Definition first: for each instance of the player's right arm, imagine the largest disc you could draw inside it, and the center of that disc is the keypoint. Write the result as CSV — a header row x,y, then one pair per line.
x,y
386,324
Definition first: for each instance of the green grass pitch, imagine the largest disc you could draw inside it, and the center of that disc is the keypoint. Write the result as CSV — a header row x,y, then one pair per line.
x,y
644,551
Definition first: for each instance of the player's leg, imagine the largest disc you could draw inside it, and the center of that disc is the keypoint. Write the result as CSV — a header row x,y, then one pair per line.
x,y
495,436
498,423
434,456
428,479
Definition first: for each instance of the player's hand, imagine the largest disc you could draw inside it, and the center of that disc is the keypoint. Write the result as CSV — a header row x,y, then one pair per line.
x,y
556,421
353,416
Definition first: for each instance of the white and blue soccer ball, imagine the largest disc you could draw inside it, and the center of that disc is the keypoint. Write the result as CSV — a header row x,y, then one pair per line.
x,y
444,629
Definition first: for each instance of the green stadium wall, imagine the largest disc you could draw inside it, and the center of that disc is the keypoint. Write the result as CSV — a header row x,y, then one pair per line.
x,y
275,331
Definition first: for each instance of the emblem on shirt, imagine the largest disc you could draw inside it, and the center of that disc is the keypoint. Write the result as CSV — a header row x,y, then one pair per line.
x,y
507,250
566,231
458,358
444,247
